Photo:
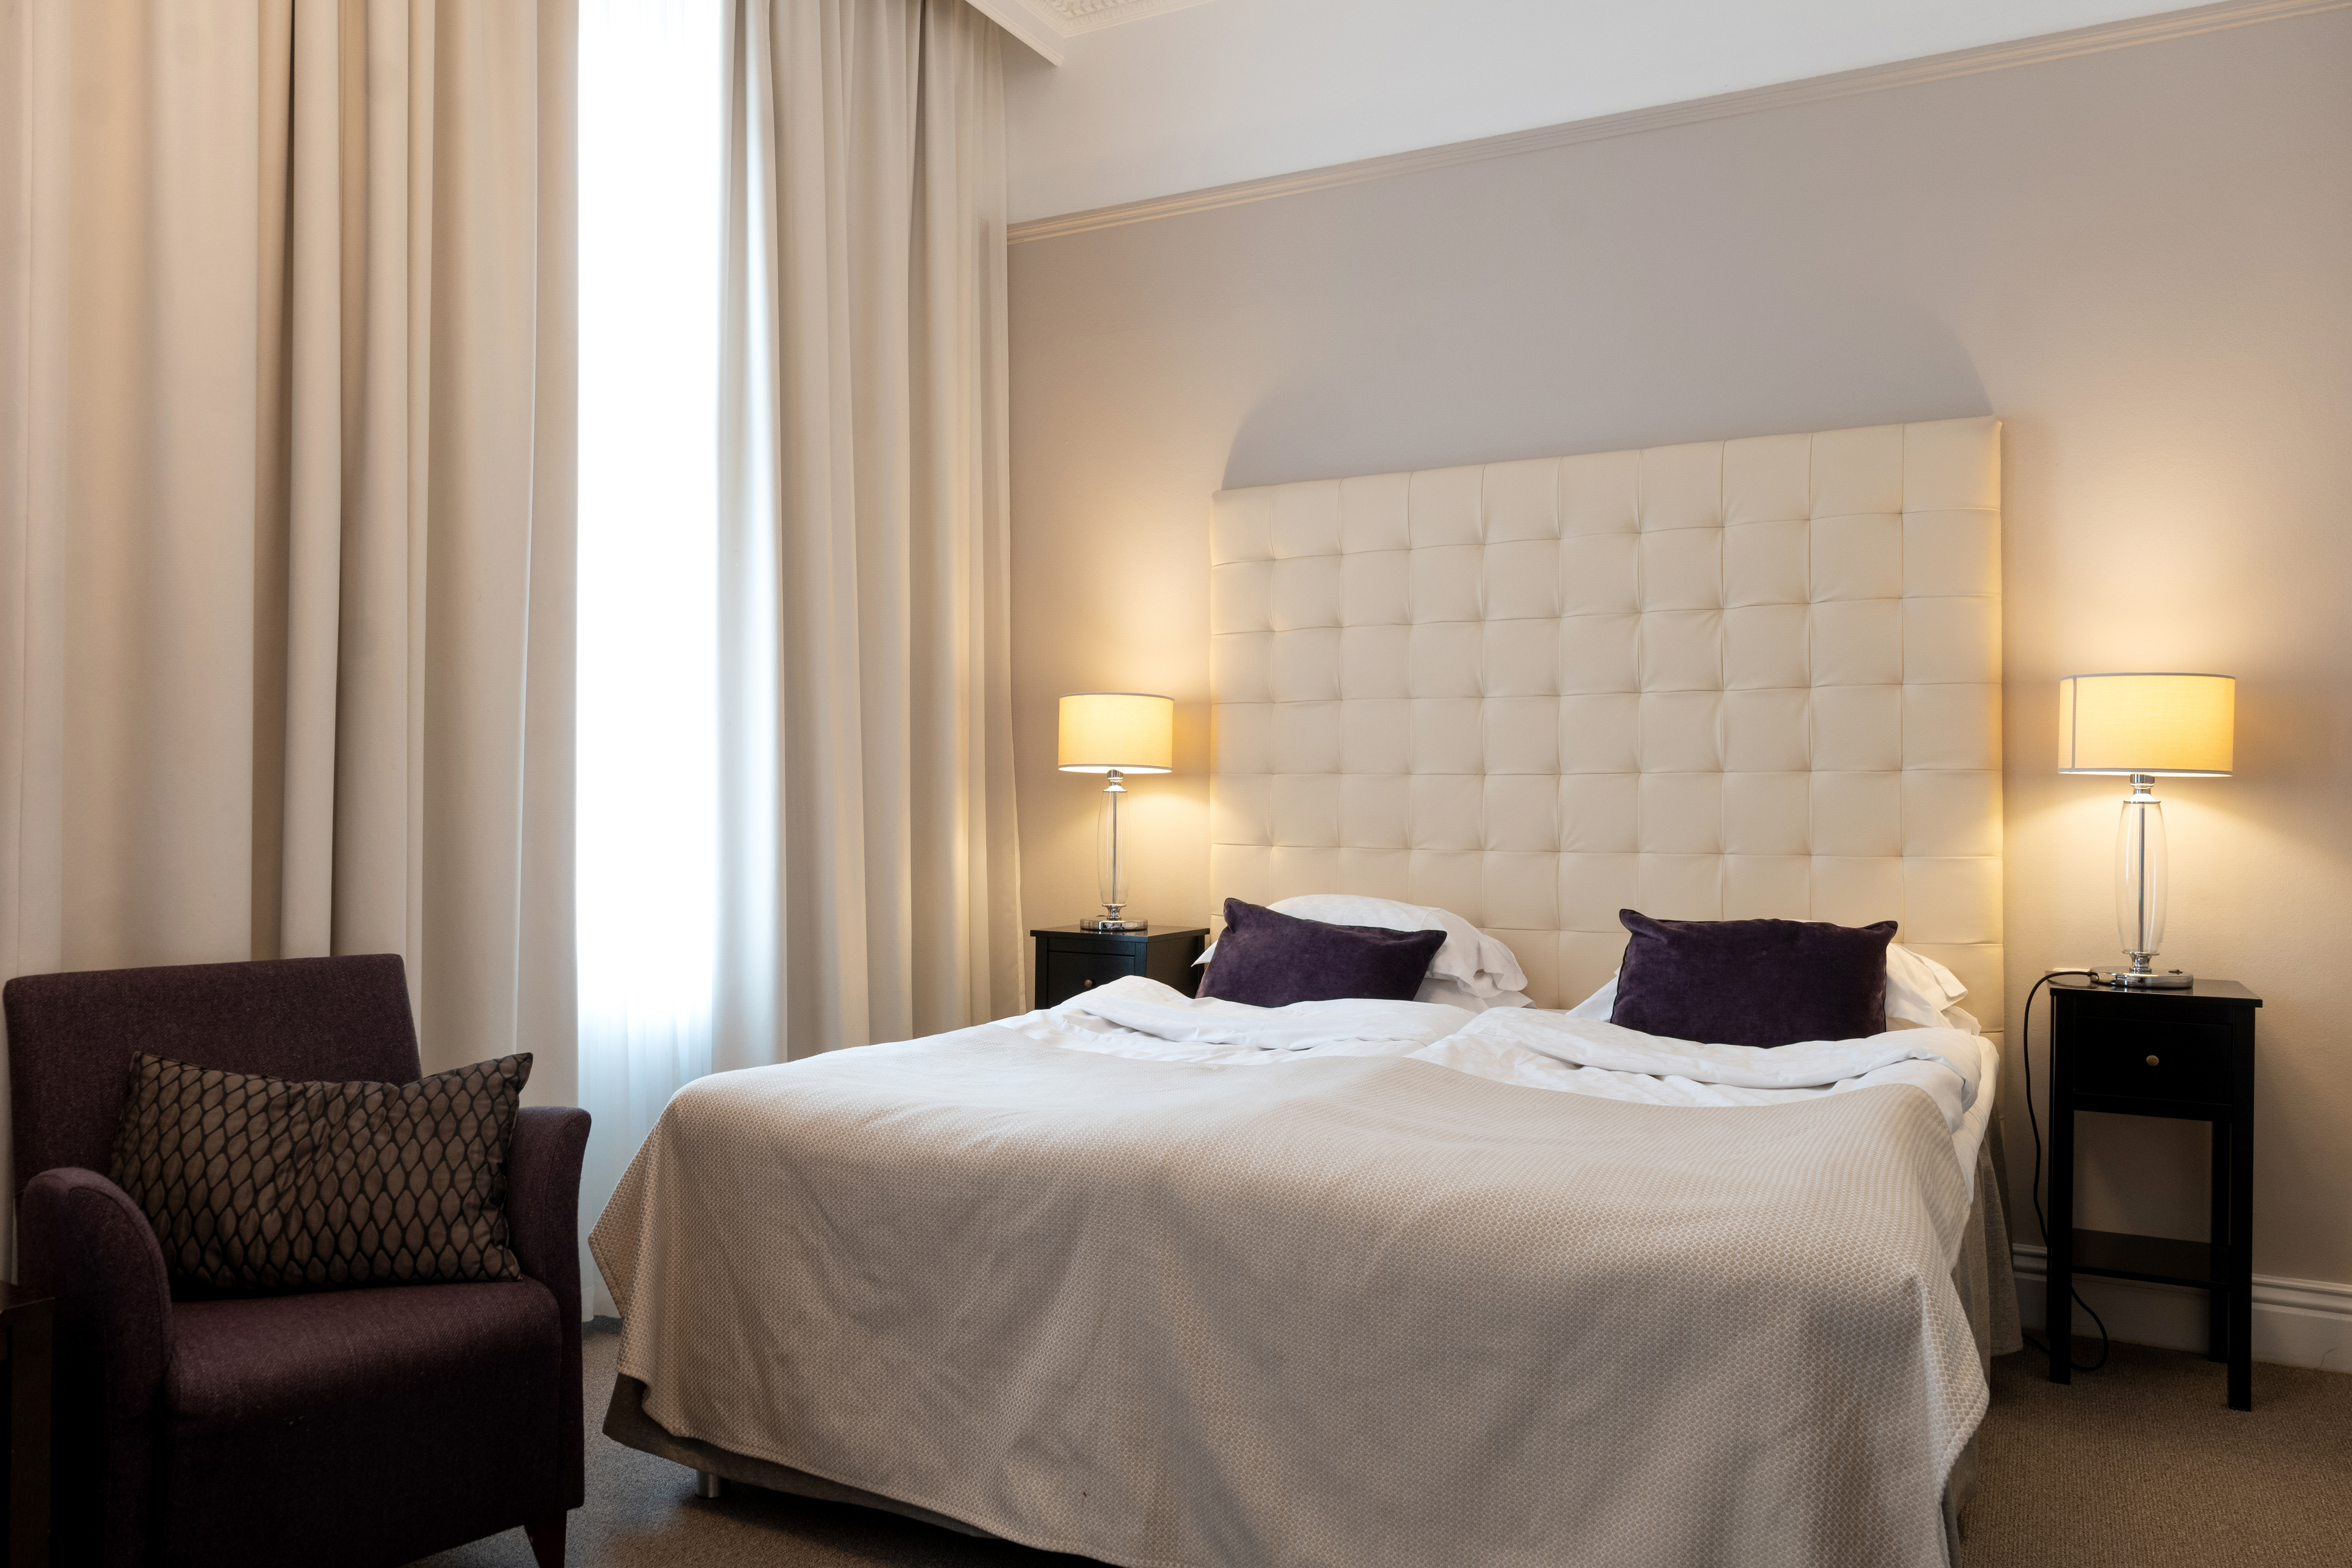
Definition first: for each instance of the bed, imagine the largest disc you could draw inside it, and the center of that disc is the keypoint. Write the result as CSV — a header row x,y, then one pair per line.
x,y
1161,1282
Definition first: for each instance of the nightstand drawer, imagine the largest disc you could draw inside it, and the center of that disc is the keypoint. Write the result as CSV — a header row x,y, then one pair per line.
x,y
1071,959
1068,974
2153,1061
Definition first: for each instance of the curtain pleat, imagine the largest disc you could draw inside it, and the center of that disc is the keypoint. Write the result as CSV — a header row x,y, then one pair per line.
x,y
869,878
285,541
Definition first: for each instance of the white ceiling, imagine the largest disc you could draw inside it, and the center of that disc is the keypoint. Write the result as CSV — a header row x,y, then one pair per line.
x,y
1198,94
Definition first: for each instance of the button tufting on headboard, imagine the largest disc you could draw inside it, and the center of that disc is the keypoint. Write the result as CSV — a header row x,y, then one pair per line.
x,y
1729,679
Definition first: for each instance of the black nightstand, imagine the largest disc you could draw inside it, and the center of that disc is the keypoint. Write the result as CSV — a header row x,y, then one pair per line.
x,y
2189,1055
1070,961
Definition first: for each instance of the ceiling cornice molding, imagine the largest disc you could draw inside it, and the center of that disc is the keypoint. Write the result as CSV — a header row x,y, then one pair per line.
x,y
1044,24
1086,16
2098,39
1036,23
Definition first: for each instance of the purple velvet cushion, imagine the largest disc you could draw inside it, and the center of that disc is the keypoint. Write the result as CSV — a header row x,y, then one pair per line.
x,y
1752,983
1270,959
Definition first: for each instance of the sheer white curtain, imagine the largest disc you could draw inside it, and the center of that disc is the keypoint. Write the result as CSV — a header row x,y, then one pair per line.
x,y
651,104
795,785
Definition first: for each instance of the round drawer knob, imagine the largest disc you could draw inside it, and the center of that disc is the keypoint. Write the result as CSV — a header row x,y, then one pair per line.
x,y
1090,985
2151,1061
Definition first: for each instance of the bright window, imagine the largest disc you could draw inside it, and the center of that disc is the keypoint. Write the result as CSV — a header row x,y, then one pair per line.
x,y
650,240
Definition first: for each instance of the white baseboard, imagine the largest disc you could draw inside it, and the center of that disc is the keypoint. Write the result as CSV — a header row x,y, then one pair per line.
x,y
2299,1322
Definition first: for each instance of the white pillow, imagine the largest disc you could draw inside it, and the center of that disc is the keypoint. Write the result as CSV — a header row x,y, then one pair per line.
x,y
1472,959
1919,991
1453,993
1600,1005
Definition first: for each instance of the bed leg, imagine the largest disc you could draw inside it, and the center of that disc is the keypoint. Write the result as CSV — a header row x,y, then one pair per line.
x,y
707,1484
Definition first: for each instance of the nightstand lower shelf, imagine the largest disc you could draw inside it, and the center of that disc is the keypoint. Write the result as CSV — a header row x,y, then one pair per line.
x,y
2158,1259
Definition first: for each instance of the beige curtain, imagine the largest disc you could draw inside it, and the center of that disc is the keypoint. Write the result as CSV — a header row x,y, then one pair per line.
x,y
870,888
286,474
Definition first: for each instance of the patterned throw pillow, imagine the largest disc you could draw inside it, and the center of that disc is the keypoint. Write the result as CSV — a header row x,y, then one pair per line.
x,y
261,1183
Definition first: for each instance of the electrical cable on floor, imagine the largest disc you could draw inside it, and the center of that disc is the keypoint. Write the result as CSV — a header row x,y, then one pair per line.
x,y
2025,1053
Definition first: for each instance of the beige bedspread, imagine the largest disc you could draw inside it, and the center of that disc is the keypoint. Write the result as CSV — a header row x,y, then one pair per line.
x,y
1341,1310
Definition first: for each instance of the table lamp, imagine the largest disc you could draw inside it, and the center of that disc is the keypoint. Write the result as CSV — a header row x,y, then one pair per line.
x,y
2144,725
1116,732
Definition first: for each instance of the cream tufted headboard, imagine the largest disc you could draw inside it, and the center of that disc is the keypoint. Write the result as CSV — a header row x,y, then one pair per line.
x,y
1726,679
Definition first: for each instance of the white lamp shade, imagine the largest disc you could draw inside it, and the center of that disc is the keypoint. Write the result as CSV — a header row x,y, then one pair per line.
x,y
1126,731
2143,723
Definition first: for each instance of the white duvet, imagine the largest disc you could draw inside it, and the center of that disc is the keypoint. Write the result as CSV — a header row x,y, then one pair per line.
x,y
1139,1017
1123,1281
1144,1019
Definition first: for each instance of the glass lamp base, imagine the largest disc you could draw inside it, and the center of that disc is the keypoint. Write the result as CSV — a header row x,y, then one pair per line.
x,y
1113,923
2146,980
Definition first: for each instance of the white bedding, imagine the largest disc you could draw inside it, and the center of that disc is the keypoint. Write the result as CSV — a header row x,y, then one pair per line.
x,y
1134,1017
1541,1049
1345,1307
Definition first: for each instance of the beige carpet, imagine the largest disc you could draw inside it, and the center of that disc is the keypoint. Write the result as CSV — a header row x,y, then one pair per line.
x,y
2140,1465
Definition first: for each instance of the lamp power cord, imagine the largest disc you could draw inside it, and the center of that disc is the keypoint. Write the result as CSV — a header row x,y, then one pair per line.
x,y
2025,1051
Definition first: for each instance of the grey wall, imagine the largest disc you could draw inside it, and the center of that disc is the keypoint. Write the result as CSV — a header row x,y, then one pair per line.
x,y
2141,260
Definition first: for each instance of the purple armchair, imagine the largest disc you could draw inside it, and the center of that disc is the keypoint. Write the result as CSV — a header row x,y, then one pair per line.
x,y
368,1426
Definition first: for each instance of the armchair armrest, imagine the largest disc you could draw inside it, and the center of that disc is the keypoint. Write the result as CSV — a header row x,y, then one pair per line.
x,y
82,1240
543,1227
543,1197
